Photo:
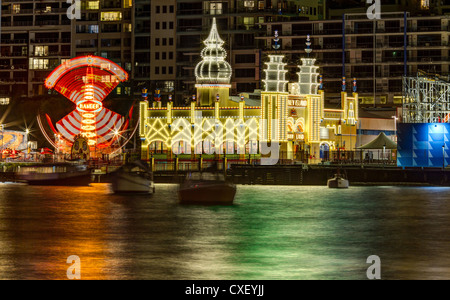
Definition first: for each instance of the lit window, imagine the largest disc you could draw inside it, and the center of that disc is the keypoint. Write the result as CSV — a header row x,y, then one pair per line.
x,y
261,4
4,101
127,3
41,51
215,8
16,8
424,4
38,64
119,90
111,16
92,5
92,28
127,27
169,85
249,4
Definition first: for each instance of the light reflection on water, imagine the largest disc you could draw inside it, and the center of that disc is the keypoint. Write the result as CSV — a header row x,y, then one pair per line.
x,y
270,233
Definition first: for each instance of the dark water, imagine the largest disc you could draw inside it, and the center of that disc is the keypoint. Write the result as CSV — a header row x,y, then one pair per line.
x,y
270,233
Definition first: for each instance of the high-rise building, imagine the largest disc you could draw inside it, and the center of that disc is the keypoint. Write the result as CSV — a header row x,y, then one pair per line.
x,y
35,38
155,47
105,29
375,52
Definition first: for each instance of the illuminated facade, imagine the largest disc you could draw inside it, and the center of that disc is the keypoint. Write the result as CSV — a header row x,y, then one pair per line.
x,y
86,81
291,114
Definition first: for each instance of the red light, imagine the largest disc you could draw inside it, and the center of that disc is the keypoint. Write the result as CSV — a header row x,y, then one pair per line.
x,y
86,81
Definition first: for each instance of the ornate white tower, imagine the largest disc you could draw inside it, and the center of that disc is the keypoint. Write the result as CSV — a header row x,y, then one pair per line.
x,y
274,100
308,75
308,81
213,73
275,80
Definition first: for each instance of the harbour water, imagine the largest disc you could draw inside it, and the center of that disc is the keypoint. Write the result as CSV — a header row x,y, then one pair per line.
x,y
272,232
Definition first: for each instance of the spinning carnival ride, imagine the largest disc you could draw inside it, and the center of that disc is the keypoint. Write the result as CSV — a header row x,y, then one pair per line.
x,y
86,81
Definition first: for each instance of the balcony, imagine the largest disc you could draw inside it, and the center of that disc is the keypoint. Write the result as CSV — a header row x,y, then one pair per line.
x,y
19,23
51,22
49,41
14,54
16,41
235,11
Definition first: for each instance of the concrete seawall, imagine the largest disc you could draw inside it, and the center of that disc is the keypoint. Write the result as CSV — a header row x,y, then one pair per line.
x,y
318,175
307,175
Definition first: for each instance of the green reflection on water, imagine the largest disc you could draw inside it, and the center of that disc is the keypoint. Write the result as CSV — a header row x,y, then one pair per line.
x,y
270,233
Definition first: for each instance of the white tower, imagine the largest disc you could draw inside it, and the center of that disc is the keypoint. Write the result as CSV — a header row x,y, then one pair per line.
x,y
274,100
275,80
213,73
308,75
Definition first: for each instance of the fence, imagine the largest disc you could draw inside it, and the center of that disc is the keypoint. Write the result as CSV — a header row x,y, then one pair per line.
x,y
197,162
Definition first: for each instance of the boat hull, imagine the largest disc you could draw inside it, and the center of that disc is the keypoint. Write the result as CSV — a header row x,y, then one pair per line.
x,y
210,194
62,179
338,183
129,183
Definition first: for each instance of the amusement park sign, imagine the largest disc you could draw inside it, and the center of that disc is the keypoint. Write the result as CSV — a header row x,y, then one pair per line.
x,y
89,106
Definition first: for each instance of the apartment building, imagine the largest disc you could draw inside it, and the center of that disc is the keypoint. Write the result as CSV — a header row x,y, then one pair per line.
x,y
375,52
163,47
106,29
35,38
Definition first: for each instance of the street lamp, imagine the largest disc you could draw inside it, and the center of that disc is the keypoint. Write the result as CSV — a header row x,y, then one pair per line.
x,y
2,128
443,157
27,132
395,126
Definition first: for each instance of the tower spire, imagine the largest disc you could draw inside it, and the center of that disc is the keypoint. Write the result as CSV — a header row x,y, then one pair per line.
x,y
213,68
308,49
213,72
214,37
308,75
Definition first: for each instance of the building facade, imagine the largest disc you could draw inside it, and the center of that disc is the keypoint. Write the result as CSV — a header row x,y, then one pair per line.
x,y
378,52
35,39
105,29
291,114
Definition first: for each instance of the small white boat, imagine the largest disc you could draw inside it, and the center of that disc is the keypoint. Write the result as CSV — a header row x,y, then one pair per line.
x,y
338,182
133,177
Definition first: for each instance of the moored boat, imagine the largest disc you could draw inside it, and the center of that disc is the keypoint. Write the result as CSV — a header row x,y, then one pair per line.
x,y
206,188
57,174
135,177
338,182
